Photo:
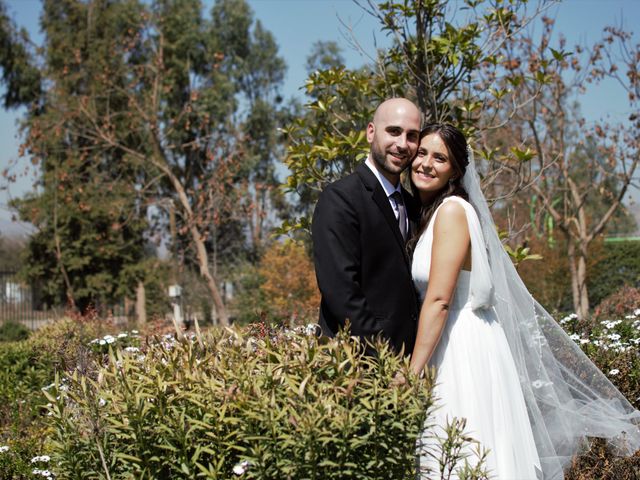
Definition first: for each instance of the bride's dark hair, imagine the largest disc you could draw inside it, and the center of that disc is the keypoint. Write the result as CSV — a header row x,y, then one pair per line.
x,y
456,143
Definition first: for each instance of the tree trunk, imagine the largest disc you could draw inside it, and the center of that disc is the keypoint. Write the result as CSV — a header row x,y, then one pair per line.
x,y
583,294
196,236
141,308
203,262
573,269
578,269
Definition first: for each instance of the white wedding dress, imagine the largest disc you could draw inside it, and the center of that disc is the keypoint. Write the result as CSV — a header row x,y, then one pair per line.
x,y
476,377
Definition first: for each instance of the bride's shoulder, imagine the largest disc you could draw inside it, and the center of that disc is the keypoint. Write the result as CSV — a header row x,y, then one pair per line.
x,y
452,209
456,199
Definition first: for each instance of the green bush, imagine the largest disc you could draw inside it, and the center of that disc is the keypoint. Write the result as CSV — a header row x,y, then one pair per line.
x,y
286,406
26,368
13,332
18,456
619,266
612,341
24,371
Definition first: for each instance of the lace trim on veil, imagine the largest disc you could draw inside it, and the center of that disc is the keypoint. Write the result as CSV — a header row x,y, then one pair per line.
x,y
568,398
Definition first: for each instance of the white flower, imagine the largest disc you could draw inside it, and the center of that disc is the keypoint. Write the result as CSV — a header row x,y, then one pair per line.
x,y
102,402
241,467
575,337
135,332
102,342
583,341
109,339
636,312
44,473
4,448
615,371
123,335
42,458
132,349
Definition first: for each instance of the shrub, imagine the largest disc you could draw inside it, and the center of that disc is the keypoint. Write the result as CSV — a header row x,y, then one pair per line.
x,y
29,366
18,456
282,288
13,332
612,342
619,266
287,406
619,303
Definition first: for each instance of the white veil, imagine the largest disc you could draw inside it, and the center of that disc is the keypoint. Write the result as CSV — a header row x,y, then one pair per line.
x,y
567,396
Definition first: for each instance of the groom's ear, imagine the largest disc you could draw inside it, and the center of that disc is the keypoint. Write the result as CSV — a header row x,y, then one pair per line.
x,y
371,130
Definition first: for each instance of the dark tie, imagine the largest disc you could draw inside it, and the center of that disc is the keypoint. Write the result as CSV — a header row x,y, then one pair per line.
x,y
402,213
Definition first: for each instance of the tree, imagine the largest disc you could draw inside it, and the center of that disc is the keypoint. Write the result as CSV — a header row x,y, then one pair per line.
x,y
438,61
11,251
484,70
20,75
165,99
578,173
89,223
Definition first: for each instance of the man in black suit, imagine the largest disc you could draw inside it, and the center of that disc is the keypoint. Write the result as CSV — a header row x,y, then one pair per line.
x,y
359,230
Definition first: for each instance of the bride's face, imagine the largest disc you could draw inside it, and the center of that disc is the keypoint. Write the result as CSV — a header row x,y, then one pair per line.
x,y
431,169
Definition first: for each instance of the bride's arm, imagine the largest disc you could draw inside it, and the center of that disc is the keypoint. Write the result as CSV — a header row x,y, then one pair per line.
x,y
451,243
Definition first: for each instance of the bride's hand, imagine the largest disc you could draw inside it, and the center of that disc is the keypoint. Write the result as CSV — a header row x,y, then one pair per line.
x,y
399,380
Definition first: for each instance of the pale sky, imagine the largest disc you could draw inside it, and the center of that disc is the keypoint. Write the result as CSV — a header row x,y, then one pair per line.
x,y
298,24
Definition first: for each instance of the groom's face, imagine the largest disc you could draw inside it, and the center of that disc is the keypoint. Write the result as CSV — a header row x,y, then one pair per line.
x,y
394,137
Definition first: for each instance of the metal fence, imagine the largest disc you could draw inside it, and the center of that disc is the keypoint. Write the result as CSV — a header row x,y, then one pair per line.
x,y
19,303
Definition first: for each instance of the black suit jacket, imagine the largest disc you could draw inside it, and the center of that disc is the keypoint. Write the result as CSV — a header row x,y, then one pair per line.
x,y
362,267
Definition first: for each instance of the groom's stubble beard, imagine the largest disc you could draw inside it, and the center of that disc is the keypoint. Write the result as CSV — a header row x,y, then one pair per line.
x,y
379,157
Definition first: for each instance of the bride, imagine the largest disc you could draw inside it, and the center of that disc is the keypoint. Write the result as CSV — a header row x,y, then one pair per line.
x,y
528,393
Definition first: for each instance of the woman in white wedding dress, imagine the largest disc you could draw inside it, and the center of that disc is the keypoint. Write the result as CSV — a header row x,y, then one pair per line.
x,y
527,392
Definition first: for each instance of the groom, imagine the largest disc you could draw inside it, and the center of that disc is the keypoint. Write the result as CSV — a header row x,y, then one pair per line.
x,y
359,231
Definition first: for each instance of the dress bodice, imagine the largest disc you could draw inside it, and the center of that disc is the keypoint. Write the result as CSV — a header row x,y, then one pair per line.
x,y
473,287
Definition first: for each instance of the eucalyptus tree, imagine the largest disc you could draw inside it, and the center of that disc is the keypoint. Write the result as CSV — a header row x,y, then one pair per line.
x,y
169,104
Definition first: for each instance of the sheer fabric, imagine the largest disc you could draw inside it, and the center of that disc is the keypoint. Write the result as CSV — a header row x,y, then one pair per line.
x,y
567,397
476,375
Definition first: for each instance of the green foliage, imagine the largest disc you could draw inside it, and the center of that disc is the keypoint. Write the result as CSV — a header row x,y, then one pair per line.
x,y
18,452
24,370
249,303
437,60
28,366
155,117
619,266
13,332
11,253
20,75
612,342
281,290
275,406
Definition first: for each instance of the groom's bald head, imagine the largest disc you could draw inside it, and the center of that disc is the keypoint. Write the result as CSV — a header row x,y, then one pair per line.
x,y
394,134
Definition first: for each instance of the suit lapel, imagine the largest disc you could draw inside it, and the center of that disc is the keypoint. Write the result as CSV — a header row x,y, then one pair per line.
x,y
382,201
